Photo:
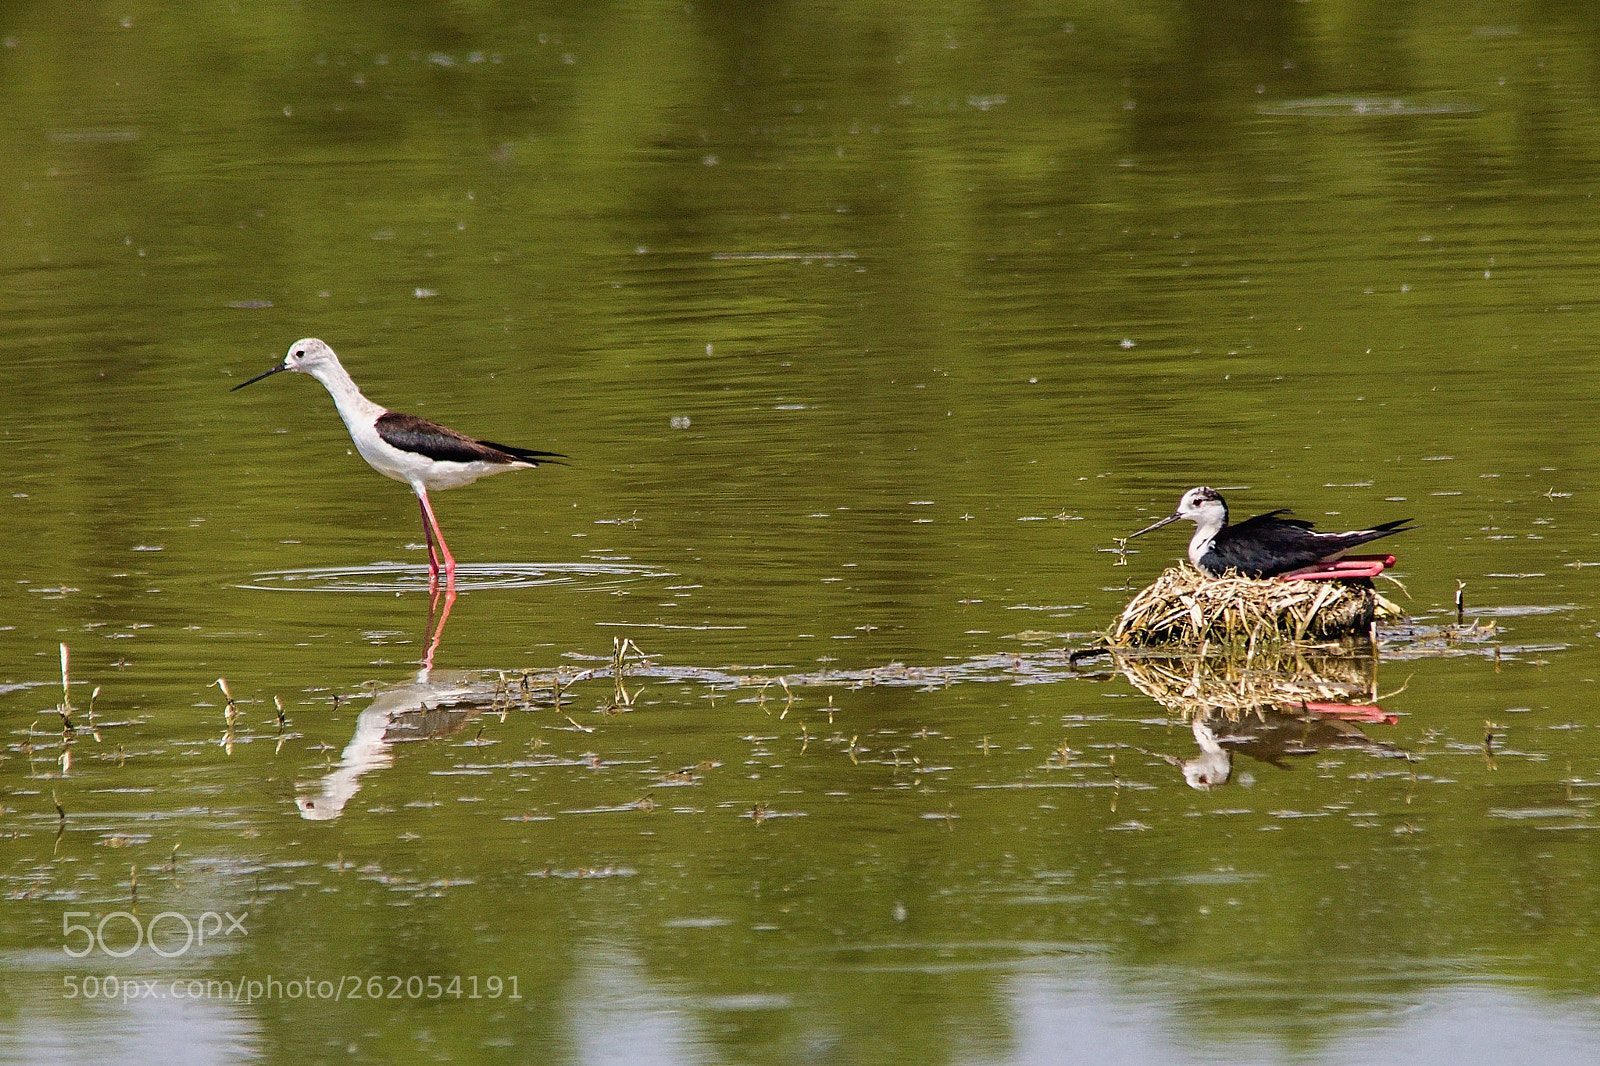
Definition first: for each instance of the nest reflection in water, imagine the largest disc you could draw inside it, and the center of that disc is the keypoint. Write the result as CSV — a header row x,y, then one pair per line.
x,y
1289,703
1286,677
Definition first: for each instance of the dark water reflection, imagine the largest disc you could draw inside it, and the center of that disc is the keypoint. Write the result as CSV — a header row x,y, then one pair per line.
x,y
867,329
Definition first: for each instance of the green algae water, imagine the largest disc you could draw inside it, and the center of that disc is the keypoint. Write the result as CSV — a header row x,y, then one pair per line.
x,y
867,331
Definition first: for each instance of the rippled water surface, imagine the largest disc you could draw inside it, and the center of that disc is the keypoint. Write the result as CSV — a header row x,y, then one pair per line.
x,y
754,733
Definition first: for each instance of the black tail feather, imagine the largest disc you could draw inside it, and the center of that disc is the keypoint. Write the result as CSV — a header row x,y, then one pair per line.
x,y
527,455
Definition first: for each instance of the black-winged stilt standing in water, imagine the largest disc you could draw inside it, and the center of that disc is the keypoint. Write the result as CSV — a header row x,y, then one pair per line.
x,y
423,454
1264,546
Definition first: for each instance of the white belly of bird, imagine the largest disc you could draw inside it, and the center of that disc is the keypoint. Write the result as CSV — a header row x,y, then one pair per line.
x,y
454,475
414,469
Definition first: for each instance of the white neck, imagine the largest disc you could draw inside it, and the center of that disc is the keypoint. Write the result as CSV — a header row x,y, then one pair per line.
x,y
1205,533
353,407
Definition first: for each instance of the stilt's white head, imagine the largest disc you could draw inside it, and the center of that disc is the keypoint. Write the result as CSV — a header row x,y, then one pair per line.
x,y
1203,506
308,356
1207,510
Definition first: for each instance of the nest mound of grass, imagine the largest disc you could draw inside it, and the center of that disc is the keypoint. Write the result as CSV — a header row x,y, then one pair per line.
x,y
1184,606
1192,686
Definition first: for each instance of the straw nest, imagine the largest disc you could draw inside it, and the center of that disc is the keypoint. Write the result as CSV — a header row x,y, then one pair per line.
x,y
1195,686
1184,606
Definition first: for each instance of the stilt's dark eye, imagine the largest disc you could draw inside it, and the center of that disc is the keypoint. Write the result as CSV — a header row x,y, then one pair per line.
x,y
300,355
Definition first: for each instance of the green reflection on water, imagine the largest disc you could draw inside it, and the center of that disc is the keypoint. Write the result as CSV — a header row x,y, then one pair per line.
x,y
949,298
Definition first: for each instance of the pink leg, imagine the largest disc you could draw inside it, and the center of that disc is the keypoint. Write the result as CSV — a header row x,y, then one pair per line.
x,y
427,535
438,539
436,632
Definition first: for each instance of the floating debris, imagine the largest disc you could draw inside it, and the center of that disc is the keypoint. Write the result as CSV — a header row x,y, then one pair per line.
x,y
1368,107
94,136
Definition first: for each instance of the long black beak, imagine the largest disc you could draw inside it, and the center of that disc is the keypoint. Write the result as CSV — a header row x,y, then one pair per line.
x,y
258,377
1142,532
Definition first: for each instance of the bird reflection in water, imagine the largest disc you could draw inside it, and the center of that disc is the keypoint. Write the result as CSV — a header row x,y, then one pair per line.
x,y
1271,710
1276,736
422,709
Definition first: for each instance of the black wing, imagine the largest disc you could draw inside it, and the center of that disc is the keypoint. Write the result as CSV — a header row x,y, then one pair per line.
x,y
443,444
1268,545
1253,558
1275,518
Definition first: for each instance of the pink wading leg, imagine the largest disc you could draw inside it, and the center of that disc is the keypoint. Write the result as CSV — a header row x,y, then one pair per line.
x,y
444,549
436,632
427,535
